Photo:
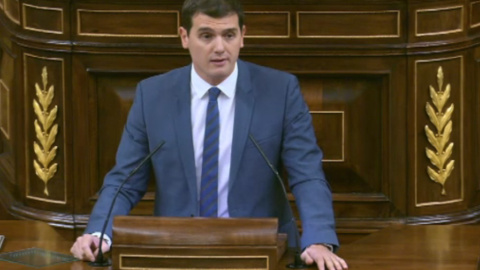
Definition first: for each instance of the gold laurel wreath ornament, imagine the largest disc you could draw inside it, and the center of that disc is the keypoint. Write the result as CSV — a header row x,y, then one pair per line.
x,y
439,140
46,132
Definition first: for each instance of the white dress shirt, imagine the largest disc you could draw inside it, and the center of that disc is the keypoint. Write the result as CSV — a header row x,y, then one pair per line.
x,y
226,108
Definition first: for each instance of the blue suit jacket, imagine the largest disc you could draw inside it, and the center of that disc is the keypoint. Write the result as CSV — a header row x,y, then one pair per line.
x,y
270,106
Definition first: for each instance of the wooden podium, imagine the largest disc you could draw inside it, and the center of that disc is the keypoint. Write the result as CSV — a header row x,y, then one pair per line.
x,y
202,243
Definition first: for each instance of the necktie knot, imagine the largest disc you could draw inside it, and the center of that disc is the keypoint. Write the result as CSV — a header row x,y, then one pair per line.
x,y
213,93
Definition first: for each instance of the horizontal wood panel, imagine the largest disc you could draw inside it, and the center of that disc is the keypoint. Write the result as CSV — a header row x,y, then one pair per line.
x,y
128,23
348,24
177,231
266,24
475,15
43,19
439,21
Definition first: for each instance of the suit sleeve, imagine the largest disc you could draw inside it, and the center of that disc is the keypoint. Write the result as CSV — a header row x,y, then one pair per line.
x,y
132,149
303,160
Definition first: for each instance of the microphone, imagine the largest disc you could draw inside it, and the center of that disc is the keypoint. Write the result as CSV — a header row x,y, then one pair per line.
x,y
101,261
298,262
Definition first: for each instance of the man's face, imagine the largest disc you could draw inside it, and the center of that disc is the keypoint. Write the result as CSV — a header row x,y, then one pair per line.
x,y
214,45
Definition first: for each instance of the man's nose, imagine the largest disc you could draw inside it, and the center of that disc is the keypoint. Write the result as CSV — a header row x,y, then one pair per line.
x,y
219,45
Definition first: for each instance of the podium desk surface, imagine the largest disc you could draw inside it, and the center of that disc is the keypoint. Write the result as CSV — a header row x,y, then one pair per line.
x,y
25,241
455,247
397,247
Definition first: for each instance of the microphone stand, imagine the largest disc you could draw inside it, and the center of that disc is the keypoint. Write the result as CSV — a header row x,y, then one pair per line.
x,y
298,262
101,261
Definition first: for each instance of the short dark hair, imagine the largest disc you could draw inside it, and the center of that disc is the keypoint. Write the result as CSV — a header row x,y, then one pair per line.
x,y
212,8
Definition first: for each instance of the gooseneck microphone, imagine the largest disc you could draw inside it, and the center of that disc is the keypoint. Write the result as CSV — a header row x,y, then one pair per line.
x,y
298,262
101,261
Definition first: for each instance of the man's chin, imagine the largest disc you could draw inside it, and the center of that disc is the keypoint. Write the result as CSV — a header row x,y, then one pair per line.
x,y
219,77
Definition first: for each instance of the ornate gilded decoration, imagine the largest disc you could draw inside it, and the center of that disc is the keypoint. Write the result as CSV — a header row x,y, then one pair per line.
x,y
442,122
46,132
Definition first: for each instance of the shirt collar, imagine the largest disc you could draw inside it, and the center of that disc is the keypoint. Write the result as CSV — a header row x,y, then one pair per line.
x,y
200,86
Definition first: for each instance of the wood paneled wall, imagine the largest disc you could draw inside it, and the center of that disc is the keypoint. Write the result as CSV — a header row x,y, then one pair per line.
x,y
391,84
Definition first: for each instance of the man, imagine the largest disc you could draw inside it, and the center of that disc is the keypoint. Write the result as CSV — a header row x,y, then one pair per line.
x,y
251,103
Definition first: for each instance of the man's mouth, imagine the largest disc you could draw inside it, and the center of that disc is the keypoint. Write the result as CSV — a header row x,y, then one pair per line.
x,y
218,61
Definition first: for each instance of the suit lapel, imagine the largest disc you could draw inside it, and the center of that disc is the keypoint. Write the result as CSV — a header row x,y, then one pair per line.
x,y
183,129
244,104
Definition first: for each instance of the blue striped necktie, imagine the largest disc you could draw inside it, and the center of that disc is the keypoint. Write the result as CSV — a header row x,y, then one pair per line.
x,y
209,179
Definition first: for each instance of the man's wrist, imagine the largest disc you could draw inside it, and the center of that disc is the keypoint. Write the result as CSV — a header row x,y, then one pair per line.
x,y
106,238
328,246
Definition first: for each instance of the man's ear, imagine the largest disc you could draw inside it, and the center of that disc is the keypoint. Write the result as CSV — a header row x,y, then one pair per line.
x,y
244,30
183,36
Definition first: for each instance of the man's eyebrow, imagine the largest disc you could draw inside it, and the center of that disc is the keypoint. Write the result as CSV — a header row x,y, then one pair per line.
x,y
205,29
208,29
233,29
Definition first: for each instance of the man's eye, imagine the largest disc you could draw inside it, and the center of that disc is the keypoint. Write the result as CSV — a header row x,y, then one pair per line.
x,y
205,36
230,36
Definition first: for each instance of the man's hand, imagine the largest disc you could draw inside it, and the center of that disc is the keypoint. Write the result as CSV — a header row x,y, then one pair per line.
x,y
323,257
86,247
